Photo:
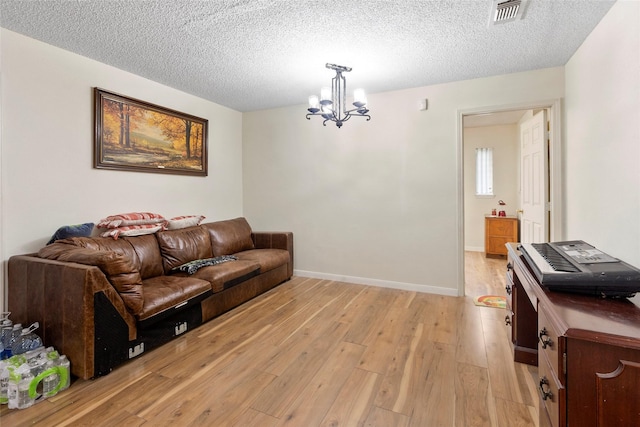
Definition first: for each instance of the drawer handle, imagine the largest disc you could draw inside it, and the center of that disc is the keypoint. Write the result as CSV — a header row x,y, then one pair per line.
x,y
508,289
507,320
509,266
545,394
546,342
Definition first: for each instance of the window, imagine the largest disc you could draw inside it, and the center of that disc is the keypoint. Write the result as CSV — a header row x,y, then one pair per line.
x,y
484,171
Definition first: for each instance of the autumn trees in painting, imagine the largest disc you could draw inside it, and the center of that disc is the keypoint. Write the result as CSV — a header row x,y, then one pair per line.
x,y
135,135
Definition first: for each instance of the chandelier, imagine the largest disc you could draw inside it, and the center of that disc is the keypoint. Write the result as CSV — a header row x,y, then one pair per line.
x,y
332,102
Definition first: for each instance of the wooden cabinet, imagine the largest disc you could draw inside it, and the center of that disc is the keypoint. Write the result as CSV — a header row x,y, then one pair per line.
x,y
498,231
587,351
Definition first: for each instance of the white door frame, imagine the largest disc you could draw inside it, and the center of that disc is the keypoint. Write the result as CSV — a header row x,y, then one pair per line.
x,y
556,229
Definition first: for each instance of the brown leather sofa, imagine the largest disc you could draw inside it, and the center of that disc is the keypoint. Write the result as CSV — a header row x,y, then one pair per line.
x,y
102,301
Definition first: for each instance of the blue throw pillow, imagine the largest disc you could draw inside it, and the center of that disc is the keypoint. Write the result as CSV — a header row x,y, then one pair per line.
x,y
78,230
193,266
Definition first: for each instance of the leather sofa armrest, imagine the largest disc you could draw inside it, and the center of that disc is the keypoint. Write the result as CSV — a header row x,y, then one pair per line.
x,y
275,240
60,295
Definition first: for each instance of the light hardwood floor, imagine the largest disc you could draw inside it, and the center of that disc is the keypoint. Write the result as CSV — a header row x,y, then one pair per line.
x,y
320,353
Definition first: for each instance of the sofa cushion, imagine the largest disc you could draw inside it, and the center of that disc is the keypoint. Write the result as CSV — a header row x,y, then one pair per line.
x,y
180,246
225,275
267,258
132,230
230,236
149,257
185,221
169,293
118,268
106,244
132,218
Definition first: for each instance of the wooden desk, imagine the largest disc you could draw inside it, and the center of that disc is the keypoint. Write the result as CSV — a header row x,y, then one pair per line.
x,y
587,350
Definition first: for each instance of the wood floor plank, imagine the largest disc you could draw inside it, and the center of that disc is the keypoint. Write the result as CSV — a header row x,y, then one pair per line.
x,y
435,404
470,343
365,325
379,417
354,402
252,418
513,414
381,343
401,371
207,370
503,376
285,389
232,400
472,391
311,406
440,317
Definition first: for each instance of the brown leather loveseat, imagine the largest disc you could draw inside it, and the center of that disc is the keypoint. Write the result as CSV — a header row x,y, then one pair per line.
x,y
102,301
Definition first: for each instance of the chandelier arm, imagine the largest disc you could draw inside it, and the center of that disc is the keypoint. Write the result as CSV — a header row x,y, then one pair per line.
x,y
359,115
354,109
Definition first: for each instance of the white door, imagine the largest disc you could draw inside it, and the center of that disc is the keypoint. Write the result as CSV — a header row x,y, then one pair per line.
x,y
534,191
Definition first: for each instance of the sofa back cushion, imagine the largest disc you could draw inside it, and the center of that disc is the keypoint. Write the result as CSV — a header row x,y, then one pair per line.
x,y
120,246
180,246
230,236
143,251
118,268
148,251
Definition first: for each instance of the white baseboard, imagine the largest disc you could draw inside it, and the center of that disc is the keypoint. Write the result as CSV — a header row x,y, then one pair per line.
x,y
474,249
379,283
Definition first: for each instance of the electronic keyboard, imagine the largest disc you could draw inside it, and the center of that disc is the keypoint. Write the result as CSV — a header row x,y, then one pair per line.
x,y
575,266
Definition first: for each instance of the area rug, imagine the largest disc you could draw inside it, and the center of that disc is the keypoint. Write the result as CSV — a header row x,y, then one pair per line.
x,y
494,301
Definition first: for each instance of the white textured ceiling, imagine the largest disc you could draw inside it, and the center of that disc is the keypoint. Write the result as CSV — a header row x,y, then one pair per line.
x,y
256,54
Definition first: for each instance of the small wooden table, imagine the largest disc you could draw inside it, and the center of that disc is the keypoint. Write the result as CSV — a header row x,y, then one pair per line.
x,y
498,230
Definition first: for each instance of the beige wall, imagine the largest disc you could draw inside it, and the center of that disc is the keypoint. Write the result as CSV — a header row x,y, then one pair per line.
x,y
602,166
46,149
377,201
374,201
504,141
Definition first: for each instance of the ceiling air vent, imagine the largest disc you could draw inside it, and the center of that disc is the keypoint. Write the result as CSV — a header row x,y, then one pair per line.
x,y
503,11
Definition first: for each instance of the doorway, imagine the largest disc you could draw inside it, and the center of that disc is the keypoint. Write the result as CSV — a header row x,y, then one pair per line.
x,y
509,114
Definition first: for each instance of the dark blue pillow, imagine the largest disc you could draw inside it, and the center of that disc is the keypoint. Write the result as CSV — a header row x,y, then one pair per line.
x,y
193,266
78,230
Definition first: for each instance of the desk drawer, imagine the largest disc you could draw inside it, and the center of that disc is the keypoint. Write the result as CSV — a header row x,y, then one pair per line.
x,y
552,394
508,318
549,344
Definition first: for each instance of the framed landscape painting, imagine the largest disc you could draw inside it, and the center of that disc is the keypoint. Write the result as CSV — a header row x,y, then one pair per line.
x,y
134,135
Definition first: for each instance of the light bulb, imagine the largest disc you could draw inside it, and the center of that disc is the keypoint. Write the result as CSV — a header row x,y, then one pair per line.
x,y
359,98
314,104
325,95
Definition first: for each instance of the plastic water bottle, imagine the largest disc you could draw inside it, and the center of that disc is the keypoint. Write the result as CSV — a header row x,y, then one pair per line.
x,y
51,382
11,339
18,390
27,341
4,382
6,326
65,372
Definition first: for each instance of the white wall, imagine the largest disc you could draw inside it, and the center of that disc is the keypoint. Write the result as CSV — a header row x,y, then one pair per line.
x,y
375,201
603,136
47,139
504,141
